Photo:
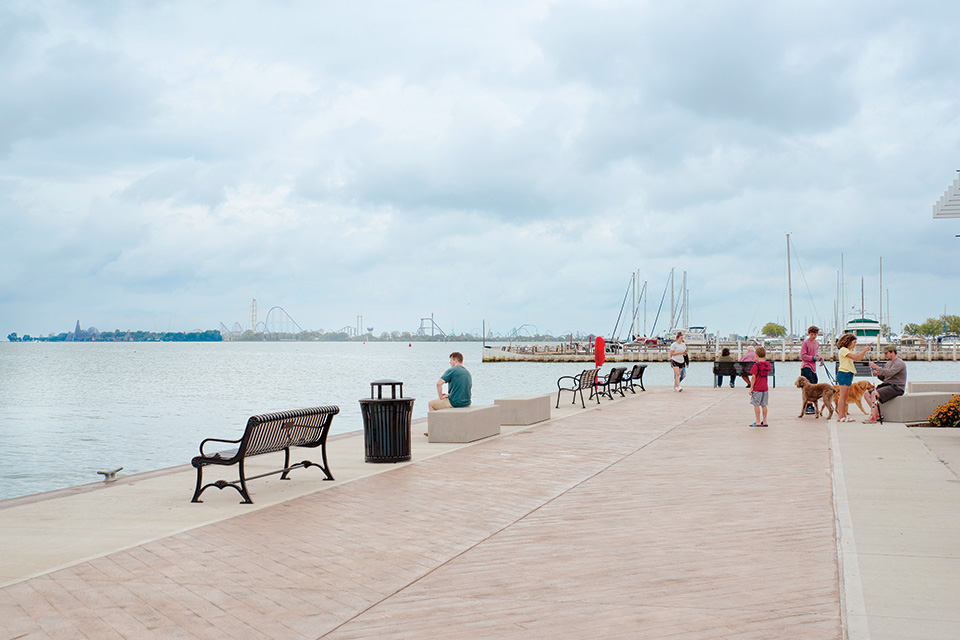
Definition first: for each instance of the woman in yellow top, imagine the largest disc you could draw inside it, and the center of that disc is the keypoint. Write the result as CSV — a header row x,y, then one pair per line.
x,y
847,343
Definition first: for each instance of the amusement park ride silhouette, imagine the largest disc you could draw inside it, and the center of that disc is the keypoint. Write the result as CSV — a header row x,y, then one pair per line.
x,y
278,323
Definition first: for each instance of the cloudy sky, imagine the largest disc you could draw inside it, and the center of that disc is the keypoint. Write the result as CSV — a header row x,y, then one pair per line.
x,y
164,163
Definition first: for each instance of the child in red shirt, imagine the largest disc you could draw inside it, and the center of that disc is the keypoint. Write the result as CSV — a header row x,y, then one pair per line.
x,y
759,391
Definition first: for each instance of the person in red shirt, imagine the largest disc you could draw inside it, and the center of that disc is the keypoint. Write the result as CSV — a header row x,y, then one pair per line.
x,y
759,391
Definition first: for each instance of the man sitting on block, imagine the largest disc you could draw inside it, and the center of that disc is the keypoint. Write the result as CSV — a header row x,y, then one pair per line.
x,y
458,382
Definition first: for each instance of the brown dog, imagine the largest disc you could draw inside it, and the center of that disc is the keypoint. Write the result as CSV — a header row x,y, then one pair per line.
x,y
814,392
855,394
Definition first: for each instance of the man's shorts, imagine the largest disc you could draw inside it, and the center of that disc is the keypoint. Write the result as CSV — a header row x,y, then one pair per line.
x,y
887,392
759,398
809,374
844,378
440,403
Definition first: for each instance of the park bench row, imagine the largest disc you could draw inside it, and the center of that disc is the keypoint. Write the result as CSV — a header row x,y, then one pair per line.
x,y
617,381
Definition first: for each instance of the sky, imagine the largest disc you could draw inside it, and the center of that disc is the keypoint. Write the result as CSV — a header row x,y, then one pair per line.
x,y
164,163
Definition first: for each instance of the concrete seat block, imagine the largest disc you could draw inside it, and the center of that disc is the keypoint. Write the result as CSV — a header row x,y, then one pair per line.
x,y
921,387
463,424
913,407
524,410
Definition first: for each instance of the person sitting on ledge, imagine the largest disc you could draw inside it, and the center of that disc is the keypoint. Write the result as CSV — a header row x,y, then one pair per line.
x,y
459,384
894,376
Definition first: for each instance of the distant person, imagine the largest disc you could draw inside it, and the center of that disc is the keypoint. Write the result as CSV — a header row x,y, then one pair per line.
x,y
726,357
678,360
846,357
459,384
759,390
809,358
894,377
749,356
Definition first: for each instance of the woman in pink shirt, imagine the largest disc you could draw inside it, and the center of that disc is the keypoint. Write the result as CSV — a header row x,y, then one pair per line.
x,y
808,356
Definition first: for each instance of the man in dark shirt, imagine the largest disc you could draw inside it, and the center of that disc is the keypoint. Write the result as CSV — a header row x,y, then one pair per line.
x,y
459,384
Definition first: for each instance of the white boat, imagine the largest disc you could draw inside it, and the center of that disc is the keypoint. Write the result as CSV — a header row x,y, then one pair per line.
x,y
692,336
863,327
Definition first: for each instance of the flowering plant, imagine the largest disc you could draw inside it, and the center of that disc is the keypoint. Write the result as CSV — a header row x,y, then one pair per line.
x,y
947,414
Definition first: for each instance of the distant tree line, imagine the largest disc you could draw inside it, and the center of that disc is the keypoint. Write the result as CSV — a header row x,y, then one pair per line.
x,y
932,327
92,335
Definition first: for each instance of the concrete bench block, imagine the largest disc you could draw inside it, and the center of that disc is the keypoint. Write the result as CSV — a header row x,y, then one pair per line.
x,y
524,410
921,387
463,424
913,407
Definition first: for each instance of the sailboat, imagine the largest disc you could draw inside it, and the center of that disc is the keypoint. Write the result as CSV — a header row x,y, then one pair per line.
x,y
864,326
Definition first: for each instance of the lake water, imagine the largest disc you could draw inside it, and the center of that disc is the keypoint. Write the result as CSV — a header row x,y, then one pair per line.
x,y
68,410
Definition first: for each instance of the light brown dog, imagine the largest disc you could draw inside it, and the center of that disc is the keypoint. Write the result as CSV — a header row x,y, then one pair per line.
x,y
812,393
855,394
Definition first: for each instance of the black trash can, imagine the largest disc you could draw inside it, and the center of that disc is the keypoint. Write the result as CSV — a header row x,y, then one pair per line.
x,y
386,423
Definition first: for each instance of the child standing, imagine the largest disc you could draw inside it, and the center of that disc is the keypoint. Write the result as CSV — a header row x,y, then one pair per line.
x,y
759,391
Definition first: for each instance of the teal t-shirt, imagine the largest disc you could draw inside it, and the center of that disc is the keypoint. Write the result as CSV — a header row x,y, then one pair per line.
x,y
459,384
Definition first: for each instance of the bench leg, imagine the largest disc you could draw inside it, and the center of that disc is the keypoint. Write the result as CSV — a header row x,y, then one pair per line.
x,y
221,484
286,464
198,490
243,486
324,467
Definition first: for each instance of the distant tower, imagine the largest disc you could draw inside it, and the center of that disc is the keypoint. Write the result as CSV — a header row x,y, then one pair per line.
x,y
253,315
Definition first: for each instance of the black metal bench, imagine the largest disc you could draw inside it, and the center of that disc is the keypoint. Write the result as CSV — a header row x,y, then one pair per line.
x,y
269,433
586,380
740,369
863,369
610,383
635,375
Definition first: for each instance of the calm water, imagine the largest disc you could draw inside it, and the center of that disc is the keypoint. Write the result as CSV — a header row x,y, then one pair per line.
x,y
68,410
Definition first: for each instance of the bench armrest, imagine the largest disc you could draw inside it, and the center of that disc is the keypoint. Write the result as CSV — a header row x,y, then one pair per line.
x,y
217,440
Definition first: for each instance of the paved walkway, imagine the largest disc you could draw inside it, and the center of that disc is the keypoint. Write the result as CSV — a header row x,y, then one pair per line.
x,y
658,516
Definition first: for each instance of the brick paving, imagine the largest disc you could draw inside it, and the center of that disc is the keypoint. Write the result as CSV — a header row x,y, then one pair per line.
x,y
660,516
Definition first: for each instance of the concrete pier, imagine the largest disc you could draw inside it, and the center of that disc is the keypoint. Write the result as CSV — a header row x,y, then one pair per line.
x,y
658,516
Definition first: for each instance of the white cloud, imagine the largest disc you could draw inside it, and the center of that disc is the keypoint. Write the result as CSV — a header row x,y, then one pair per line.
x,y
166,162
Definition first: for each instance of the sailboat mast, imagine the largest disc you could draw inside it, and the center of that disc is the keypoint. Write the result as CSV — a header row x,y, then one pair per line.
x,y
644,310
789,289
881,295
684,300
843,298
673,309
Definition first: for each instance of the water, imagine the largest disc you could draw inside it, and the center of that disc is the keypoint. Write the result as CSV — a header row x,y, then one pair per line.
x,y
68,410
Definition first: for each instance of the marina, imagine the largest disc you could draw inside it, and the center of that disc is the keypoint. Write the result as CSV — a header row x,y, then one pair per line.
x,y
777,349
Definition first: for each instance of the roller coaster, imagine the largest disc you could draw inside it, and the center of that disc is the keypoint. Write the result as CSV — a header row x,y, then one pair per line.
x,y
277,325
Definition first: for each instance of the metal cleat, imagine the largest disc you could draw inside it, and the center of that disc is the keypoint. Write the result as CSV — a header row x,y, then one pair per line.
x,y
110,476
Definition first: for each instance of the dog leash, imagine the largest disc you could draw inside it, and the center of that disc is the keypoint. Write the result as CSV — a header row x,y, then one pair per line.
x,y
825,368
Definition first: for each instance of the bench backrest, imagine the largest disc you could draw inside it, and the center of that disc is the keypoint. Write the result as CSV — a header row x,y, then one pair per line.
x,y
636,371
276,431
587,378
737,367
863,369
616,374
